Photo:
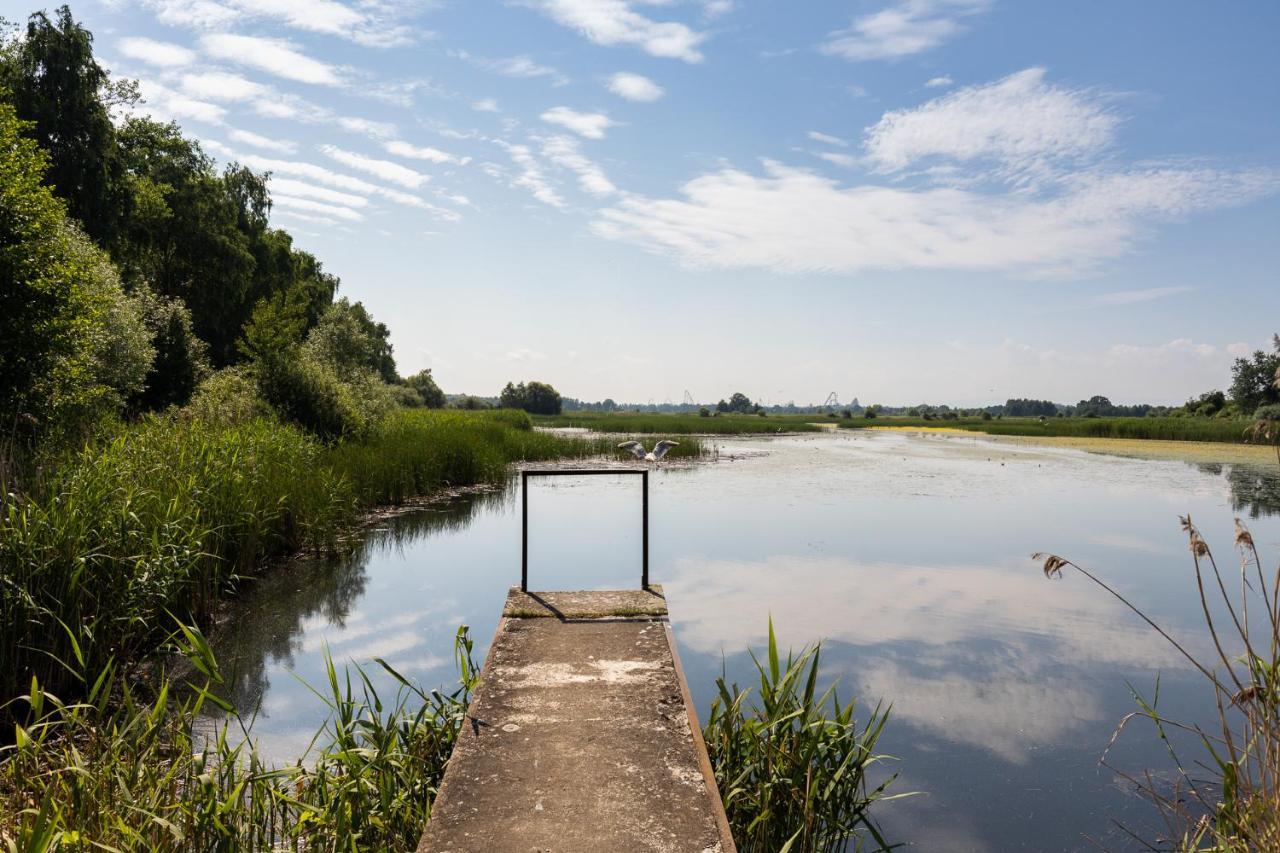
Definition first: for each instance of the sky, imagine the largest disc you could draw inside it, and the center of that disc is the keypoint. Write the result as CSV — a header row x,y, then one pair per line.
x,y
901,201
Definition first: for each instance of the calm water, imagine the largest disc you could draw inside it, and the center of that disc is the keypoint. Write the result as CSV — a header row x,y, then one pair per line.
x,y
906,554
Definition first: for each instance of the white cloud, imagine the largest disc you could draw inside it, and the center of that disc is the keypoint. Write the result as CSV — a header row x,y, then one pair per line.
x,y
939,82
384,169
247,137
615,22
290,187
906,27
1021,122
332,210
220,86
309,171
522,65
566,151
367,127
165,104
163,54
273,56
844,161
1129,297
431,155
1239,350
716,8
373,24
634,87
531,176
590,125
485,105
827,139
792,220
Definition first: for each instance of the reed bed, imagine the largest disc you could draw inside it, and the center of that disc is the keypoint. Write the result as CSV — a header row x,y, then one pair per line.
x,y
641,423
1228,797
792,764
163,516
1227,430
120,771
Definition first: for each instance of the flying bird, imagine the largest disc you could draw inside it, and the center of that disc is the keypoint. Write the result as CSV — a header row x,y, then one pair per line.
x,y
659,450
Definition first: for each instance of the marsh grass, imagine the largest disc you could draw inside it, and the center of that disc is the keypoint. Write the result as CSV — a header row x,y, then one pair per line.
x,y
1226,430
166,514
641,423
792,764
122,771
1228,798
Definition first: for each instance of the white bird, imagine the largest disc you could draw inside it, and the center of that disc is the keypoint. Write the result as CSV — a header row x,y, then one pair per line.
x,y
659,450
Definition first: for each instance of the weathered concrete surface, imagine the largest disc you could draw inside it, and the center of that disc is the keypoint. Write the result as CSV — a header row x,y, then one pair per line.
x,y
593,604
579,738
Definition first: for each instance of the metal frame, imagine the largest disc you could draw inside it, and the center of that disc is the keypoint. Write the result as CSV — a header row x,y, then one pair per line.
x,y
575,472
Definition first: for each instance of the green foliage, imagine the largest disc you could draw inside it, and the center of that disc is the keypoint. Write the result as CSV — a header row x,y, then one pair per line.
x,y
181,359
228,397
1254,380
349,340
792,765
1152,428
537,398
1021,408
424,384
53,82
636,423
313,394
871,412
161,781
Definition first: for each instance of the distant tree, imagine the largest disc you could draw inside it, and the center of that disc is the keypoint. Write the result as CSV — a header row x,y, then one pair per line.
x,y
425,384
871,411
704,412
739,403
1020,408
1253,380
537,398
722,407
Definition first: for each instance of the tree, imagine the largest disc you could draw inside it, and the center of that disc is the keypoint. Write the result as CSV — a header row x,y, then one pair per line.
x,y
425,385
1253,380
348,338
54,83
537,398
739,403
72,345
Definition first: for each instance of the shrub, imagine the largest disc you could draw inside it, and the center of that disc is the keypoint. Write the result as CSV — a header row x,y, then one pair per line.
x,y
704,412
311,393
425,385
228,397
181,359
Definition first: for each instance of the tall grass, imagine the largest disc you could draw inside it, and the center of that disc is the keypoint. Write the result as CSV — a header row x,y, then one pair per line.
x,y
637,423
1228,798
1154,428
792,765
117,771
163,516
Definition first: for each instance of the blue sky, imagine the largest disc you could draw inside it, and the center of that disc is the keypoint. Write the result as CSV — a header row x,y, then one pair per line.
x,y
919,200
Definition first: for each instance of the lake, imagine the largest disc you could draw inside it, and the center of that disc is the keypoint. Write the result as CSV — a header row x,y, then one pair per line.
x,y
907,554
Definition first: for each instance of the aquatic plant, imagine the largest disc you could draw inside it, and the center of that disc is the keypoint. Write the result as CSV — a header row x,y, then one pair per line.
x,y
792,765
1230,430
1229,798
117,771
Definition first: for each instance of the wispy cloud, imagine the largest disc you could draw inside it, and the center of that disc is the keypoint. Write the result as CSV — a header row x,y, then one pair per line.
x,y
335,211
590,125
903,28
531,177
274,56
1020,122
159,53
166,104
246,137
485,105
616,22
634,87
939,82
827,139
522,65
384,169
793,220
289,186
566,151
221,86
368,23
1129,297
431,155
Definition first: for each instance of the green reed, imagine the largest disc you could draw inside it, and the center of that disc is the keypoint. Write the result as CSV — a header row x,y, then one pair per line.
x,y
642,423
792,766
1229,430
117,771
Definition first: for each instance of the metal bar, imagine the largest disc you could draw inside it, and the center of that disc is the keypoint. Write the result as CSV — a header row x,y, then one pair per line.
x,y
578,472
524,531
644,570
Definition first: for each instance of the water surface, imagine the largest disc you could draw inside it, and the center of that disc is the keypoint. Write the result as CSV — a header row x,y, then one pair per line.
x,y
908,555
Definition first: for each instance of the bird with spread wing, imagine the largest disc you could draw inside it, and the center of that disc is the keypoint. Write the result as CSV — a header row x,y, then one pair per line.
x,y
659,450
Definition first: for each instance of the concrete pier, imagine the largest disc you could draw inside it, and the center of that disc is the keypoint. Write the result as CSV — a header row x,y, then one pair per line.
x,y
580,737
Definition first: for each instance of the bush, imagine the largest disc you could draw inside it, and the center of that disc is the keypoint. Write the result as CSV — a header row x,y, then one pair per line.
x,y
181,359
405,397
704,412
1268,413
228,397
311,393
428,391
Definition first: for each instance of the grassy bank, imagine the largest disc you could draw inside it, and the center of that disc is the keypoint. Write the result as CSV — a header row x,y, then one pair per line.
x,y
640,423
155,521
1154,429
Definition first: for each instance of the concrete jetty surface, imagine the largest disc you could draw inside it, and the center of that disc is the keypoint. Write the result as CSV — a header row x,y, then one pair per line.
x,y
581,737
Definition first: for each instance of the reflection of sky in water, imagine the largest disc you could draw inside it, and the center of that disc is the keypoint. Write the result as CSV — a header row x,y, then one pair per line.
x,y
908,554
